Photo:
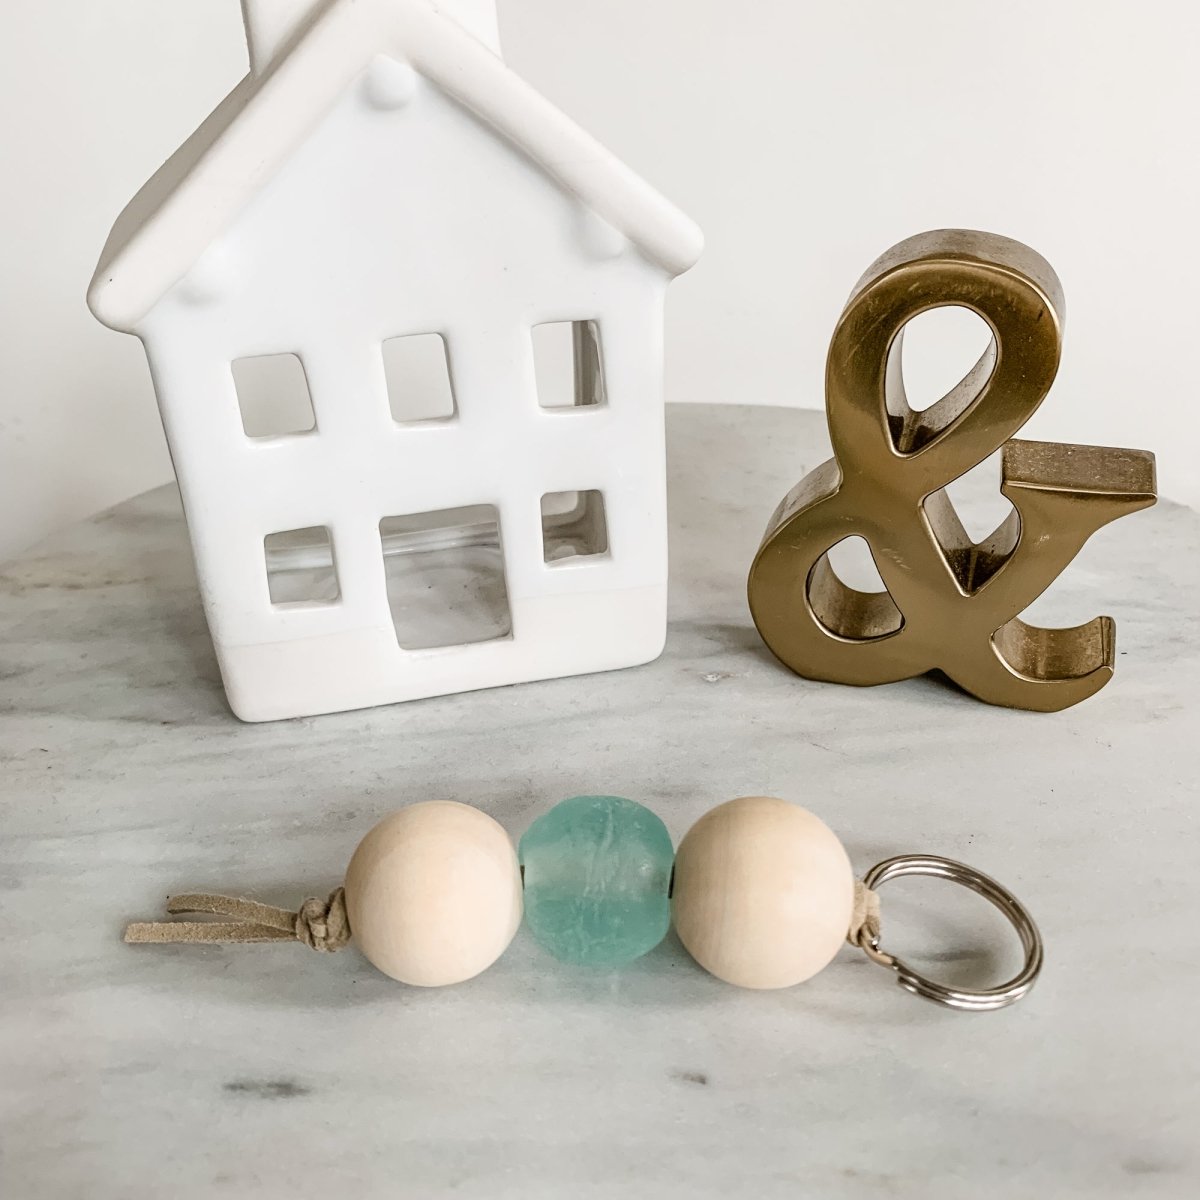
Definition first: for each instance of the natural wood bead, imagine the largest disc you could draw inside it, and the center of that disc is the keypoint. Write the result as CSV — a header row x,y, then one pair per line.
x,y
433,893
763,893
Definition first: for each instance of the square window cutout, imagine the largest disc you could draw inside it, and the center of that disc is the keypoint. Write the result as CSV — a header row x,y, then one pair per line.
x,y
300,567
445,577
569,365
573,525
272,392
418,378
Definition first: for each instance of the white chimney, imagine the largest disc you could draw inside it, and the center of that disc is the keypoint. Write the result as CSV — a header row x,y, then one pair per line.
x,y
271,24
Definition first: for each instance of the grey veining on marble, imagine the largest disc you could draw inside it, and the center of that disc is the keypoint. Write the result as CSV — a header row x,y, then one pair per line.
x,y
270,1071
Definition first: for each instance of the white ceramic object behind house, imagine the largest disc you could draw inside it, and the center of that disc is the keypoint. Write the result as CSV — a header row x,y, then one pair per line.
x,y
381,173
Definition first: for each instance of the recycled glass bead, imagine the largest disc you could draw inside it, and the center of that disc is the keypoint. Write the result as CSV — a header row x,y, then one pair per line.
x,y
597,878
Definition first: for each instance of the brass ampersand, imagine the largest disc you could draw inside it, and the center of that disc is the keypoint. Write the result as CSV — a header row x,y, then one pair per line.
x,y
951,604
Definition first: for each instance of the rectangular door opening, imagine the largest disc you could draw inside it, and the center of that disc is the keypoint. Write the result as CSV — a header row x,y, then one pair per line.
x,y
445,577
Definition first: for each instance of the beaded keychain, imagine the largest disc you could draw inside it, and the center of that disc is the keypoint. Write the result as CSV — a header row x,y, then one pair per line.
x,y
761,892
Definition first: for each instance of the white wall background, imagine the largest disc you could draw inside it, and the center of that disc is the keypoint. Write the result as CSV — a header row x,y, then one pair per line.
x,y
805,138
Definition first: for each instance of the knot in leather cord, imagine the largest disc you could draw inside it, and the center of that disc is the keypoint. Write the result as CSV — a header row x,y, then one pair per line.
x,y
319,924
323,924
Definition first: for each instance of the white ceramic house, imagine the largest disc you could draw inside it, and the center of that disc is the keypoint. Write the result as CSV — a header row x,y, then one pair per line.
x,y
380,184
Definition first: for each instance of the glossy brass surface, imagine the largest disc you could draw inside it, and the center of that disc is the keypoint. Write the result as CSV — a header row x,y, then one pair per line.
x,y
951,604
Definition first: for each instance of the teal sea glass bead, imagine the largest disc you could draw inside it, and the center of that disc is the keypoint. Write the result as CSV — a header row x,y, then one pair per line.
x,y
597,877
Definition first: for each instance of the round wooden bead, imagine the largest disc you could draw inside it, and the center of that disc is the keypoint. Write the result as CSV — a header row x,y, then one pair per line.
x,y
764,893
433,894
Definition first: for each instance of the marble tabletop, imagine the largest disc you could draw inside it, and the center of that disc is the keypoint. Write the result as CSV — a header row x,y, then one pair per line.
x,y
270,1071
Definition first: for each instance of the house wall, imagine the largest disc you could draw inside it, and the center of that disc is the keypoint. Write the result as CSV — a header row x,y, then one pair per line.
x,y
483,249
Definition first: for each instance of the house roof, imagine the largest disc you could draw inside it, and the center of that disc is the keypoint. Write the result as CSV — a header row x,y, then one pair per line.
x,y
198,193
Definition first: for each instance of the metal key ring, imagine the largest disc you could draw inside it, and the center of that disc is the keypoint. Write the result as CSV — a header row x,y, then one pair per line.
x,y
1014,911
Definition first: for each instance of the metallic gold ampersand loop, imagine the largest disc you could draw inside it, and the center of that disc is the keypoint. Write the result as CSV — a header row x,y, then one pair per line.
x,y
951,604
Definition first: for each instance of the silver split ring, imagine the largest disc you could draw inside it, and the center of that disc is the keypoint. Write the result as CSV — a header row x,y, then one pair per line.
x,y
1014,912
